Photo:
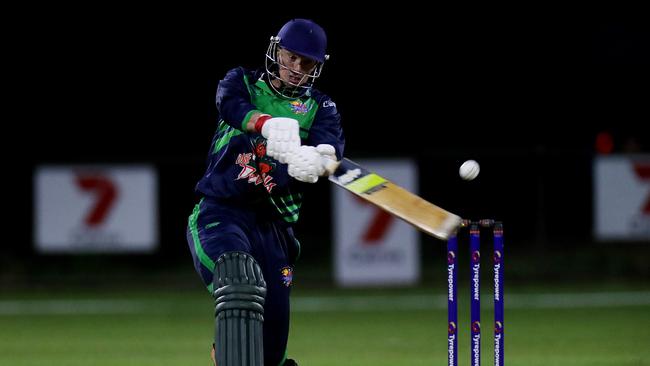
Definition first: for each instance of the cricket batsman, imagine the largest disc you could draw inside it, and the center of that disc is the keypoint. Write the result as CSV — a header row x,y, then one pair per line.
x,y
275,134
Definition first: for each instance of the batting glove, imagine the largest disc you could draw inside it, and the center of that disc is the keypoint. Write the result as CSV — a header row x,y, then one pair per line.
x,y
328,156
282,136
306,164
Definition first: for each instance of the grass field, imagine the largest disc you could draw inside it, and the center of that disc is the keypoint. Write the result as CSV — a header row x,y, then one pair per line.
x,y
572,326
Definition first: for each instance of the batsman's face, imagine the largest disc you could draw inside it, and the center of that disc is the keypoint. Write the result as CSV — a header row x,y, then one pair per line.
x,y
294,68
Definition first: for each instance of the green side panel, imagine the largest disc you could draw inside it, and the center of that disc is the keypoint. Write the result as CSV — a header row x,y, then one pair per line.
x,y
288,206
226,137
203,258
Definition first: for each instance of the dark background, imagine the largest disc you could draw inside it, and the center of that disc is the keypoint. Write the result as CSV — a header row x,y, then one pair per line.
x,y
524,91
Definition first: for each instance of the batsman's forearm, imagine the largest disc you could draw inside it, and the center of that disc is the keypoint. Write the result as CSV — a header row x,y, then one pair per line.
x,y
252,121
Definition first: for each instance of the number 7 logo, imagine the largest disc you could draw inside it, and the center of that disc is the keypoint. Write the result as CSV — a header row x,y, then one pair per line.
x,y
104,192
379,225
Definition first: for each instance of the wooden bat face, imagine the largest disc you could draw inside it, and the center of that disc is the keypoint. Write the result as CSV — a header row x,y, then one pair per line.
x,y
394,199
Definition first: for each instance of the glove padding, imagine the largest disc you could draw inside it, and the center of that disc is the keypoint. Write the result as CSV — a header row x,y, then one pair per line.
x,y
308,163
282,137
328,155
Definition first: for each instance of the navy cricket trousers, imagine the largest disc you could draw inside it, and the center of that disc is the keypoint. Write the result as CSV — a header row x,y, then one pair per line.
x,y
215,228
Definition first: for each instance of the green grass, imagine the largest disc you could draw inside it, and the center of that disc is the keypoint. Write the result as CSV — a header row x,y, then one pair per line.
x,y
175,328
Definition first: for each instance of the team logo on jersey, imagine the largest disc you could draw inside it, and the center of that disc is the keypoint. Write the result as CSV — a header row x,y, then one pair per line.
x,y
287,275
298,107
256,167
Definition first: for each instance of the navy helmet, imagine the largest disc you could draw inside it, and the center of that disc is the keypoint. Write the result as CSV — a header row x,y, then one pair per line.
x,y
305,38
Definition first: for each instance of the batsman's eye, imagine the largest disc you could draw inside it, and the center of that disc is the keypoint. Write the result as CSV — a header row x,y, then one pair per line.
x,y
292,58
307,63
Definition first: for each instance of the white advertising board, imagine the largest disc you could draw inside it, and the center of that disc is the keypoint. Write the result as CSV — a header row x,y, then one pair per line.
x,y
95,209
371,246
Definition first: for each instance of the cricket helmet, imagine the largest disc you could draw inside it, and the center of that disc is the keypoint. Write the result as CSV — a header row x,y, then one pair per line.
x,y
305,38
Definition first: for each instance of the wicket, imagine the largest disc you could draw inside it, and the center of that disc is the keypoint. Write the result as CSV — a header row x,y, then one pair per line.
x,y
475,292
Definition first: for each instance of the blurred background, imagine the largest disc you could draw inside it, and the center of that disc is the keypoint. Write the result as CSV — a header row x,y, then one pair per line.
x,y
553,103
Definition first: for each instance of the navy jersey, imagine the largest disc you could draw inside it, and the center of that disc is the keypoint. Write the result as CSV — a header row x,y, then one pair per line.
x,y
238,169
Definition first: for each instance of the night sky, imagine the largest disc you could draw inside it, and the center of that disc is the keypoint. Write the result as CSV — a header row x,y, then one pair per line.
x,y
116,84
510,87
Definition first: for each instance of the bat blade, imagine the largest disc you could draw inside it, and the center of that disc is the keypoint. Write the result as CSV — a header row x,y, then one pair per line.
x,y
394,199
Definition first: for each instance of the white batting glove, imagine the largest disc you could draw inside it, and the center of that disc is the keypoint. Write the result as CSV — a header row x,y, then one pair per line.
x,y
328,156
306,164
282,137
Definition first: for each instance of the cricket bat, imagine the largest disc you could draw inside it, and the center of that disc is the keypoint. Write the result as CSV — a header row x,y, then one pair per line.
x,y
394,199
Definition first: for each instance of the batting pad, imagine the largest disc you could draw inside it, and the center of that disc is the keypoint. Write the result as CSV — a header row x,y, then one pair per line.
x,y
239,310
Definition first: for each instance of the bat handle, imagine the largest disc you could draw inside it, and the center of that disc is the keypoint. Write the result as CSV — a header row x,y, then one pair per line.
x,y
330,165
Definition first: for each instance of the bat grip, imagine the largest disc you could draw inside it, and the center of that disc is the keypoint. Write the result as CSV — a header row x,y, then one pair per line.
x,y
330,165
